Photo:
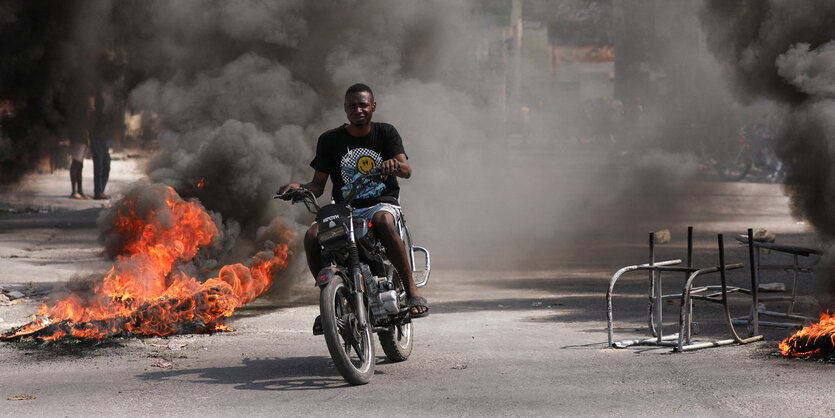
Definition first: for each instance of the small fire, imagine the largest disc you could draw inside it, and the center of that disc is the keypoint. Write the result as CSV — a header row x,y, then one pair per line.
x,y
201,183
145,292
815,340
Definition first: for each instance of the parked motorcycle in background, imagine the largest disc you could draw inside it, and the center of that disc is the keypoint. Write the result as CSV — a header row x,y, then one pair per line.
x,y
752,153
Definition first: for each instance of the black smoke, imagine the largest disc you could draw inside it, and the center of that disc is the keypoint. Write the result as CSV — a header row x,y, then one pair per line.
x,y
54,55
32,82
239,90
784,51
243,89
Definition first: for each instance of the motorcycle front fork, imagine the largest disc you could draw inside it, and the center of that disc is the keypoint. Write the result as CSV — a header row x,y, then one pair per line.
x,y
359,285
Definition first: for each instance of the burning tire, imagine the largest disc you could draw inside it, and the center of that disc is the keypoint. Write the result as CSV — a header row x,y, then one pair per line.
x,y
351,349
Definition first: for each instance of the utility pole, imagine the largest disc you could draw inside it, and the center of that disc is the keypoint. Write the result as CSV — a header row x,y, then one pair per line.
x,y
515,67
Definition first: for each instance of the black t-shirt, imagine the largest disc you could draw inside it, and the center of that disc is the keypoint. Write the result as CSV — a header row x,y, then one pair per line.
x,y
340,155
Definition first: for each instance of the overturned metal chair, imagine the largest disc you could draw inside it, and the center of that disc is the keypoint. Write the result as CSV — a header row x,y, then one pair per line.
x,y
682,340
796,267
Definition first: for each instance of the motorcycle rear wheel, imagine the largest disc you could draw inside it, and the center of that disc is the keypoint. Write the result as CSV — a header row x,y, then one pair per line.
x,y
397,342
351,349
734,162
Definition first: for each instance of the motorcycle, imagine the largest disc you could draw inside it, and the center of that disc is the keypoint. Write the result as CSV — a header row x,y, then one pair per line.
x,y
360,291
754,148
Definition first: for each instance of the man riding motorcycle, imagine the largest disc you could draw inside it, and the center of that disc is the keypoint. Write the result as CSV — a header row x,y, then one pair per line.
x,y
344,154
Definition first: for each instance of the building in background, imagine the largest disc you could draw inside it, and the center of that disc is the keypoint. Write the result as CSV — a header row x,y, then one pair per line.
x,y
635,69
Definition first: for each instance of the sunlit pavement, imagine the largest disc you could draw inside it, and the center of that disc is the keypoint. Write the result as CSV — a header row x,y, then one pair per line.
x,y
499,341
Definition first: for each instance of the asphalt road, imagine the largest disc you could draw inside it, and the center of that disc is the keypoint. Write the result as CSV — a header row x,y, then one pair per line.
x,y
498,342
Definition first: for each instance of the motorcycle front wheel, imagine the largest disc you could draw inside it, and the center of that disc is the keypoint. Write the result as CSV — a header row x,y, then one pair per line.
x,y
351,349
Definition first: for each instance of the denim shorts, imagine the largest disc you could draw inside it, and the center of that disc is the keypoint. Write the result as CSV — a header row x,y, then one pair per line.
x,y
369,212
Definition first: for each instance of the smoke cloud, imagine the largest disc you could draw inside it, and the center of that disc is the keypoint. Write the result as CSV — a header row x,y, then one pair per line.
x,y
240,90
784,50
249,86
33,86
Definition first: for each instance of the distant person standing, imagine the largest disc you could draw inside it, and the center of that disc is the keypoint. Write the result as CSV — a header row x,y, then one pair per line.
x,y
101,138
78,144
77,151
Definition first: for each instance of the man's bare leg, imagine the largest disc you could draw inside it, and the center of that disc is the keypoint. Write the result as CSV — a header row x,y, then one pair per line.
x,y
387,231
312,250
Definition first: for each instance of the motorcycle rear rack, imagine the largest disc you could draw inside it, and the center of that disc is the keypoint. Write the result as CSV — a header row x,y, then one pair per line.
x,y
421,277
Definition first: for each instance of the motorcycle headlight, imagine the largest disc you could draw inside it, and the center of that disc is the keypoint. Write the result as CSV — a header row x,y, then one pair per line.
x,y
332,234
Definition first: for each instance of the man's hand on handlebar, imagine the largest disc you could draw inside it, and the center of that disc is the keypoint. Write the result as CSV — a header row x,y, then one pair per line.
x,y
389,167
285,188
298,194
307,192
288,191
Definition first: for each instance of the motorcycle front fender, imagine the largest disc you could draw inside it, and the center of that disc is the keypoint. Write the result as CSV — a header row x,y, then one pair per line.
x,y
327,274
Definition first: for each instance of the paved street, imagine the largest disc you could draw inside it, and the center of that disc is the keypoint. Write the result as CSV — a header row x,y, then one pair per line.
x,y
499,341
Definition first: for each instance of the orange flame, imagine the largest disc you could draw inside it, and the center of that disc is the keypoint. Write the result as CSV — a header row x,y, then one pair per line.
x,y
142,294
201,183
816,339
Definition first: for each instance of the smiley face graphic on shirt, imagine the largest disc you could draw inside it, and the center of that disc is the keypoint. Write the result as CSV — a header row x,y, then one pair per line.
x,y
359,160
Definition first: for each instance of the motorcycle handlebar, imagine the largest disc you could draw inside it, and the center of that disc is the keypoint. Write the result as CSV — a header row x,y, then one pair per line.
x,y
376,171
306,196
295,194
300,195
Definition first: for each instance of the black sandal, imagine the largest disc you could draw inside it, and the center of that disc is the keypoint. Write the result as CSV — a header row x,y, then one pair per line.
x,y
317,325
418,302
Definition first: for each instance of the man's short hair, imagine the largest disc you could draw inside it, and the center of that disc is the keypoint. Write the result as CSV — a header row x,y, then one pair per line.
x,y
359,88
